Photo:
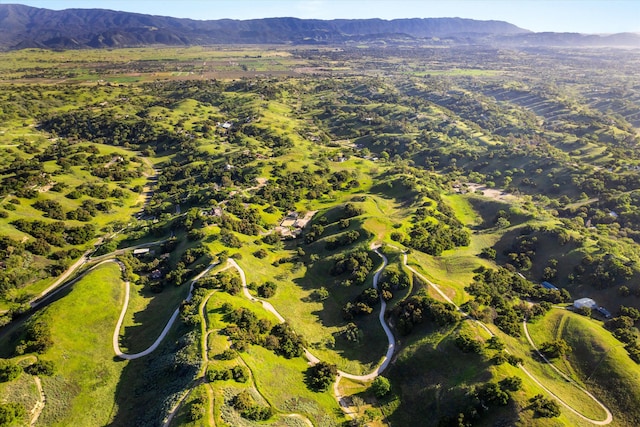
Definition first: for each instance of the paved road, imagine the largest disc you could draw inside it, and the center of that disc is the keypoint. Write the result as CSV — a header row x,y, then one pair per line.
x,y
385,361
59,284
36,301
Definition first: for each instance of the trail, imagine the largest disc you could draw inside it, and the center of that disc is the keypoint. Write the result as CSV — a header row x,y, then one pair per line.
x,y
204,348
342,401
39,406
203,369
54,288
609,417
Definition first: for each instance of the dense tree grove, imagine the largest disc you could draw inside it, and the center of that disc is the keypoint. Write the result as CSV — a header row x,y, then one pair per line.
x,y
357,265
246,328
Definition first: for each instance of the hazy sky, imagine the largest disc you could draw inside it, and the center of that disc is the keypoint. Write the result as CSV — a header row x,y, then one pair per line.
x,y
586,16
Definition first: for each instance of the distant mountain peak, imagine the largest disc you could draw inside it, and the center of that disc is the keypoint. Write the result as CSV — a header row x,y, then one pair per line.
x,y
25,26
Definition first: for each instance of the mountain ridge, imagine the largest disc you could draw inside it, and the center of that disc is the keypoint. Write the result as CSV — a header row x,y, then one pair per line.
x,y
30,27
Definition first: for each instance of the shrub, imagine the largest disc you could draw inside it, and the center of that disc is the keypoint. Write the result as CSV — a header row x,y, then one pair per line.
x,y
9,371
495,343
492,393
38,337
553,349
468,344
543,407
499,359
41,367
271,239
514,360
267,290
380,387
10,412
244,403
321,376
511,383
240,374
261,253
320,294
352,333
228,354
196,409
488,253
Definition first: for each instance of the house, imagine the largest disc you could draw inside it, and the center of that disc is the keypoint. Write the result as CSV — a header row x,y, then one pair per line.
x,y
548,285
585,302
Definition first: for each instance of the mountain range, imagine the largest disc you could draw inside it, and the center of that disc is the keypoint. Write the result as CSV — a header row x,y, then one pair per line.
x,y
29,27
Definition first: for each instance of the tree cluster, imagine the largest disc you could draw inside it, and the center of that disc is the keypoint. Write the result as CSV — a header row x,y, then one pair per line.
x,y
420,307
356,264
503,291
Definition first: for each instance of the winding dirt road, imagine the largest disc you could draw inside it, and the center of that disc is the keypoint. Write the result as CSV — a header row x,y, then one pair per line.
x,y
309,356
39,406
609,417
165,331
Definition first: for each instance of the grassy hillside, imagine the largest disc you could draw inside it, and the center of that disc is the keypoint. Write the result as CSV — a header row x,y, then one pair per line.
x,y
596,359
491,178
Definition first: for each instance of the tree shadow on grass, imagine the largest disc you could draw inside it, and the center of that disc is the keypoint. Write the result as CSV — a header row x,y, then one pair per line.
x,y
150,386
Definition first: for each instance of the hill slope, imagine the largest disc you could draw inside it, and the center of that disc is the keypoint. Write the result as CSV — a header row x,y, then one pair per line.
x,y
25,26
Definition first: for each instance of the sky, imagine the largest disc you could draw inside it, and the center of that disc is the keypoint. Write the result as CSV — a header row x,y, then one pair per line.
x,y
583,16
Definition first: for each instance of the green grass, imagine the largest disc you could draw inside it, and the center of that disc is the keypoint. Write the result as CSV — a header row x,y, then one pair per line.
x,y
282,383
147,315
431,375
597,360
23,391
82,391
280,380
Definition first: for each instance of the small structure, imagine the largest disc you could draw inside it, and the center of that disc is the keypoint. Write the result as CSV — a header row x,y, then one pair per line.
x,y
290,219
291,226
585,302
548,285
604,312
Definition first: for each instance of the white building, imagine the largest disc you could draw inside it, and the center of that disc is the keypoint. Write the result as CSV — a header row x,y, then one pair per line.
x,y
585,302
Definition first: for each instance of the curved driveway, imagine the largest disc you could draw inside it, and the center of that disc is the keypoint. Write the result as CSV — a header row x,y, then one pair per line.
x,y
165,331
609,416
313,359
309,356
